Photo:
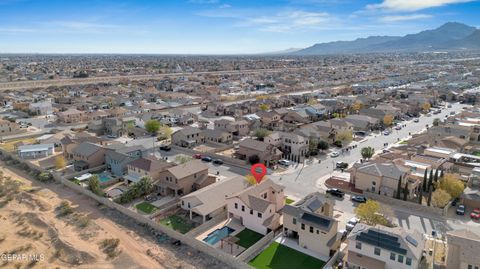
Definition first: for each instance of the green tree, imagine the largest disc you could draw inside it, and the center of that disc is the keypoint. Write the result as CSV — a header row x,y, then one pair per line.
x,y
399,188
345,136
261,133
94,185
253,159
264,107
152,126
165,132
452,185
440,198
369,213
430,180
145,185
405,192
367,152
425,180
182,158
420,196
436,122
44,177
435,177
313,146
323,145
429,200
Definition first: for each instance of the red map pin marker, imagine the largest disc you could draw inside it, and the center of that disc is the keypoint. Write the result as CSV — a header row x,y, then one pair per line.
x,y
258,175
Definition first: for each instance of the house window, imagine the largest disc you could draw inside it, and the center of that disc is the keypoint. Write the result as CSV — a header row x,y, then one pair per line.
x,y
294,221
311,229
236,206
358,245
317,232
408,261
470,266
243,208
376,251
188,205
303,226
183,202
259,215
251,211
400,259
392,256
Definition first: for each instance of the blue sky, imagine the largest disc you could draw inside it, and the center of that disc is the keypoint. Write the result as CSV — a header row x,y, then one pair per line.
x,y
213,26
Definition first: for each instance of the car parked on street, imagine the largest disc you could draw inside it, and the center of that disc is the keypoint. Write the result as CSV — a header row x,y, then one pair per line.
x,y
351,223
336,192
207,159
165,148
218,161
475,214
197,156
386,132
460,210
341,165
416,120
284,162
359,198
334,154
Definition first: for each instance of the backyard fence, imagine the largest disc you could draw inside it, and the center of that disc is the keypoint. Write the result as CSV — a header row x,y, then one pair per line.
x,y
256,248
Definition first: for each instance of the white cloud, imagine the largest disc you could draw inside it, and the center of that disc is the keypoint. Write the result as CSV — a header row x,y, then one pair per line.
x,y
225,6
409,17
413,5
288,21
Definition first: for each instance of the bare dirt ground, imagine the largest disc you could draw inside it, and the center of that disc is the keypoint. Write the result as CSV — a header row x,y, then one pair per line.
x,y
56,227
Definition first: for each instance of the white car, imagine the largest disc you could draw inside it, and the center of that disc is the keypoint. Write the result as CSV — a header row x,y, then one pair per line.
x,y
351,223
335,154
386,132
284,162
416,120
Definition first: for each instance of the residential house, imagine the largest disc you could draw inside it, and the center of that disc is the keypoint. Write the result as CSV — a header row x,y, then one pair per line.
x,y
211,200
384,248
463,247
69,142
236,128
117,158
147,166
41,108
184,178
258,207
217,136
188,137
271,120
35,151
381,178
310,222
442,131
363,123
293,146
267,154
71,115
8,127
88,155
471,195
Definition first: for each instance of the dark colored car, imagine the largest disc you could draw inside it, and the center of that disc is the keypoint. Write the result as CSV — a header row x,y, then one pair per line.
x,y
165,148
207,159
217,161
336,192
359,198
461,210
454,202
341,165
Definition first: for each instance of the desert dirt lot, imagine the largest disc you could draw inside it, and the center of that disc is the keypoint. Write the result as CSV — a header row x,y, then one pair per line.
x,y
56,227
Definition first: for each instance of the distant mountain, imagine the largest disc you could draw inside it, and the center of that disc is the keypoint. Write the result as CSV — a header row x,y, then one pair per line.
x,y
451,35
287,51
357,45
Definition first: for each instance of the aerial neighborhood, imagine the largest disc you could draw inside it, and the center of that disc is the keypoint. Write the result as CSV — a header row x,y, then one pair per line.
x,y
370,161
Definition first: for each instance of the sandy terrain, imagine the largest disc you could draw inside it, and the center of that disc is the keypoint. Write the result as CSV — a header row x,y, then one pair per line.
x,y
58,228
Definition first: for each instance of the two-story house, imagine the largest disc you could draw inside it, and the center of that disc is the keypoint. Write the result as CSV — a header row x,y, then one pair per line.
x,y
384,248
463,247
188,137
310,222
258,207
117,158
88,155
267,154
71,115
148,166
236,128
293,146
184,178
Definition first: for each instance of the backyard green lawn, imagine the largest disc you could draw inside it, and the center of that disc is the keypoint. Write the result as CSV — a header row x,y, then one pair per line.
x,y
177,223
146,207
278,256
248,238
289,201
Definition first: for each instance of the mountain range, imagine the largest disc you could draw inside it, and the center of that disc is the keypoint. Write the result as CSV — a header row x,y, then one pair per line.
x,y
450,36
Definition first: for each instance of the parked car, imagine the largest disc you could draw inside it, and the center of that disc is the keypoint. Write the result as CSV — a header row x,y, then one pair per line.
x,y
341,165
359,198
335,154
336,192
197,156
386,132
165,148
217,161
416,120
449,106
452,113
284,162
207,159
454,202
475,214
461,210
398,127
351,223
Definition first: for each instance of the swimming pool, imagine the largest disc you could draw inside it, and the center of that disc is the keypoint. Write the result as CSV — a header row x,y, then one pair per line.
x,y
218,235
104,177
